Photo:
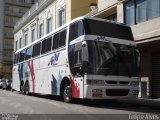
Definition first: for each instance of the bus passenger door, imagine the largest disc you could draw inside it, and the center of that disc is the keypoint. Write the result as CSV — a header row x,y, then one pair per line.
x,y
78,71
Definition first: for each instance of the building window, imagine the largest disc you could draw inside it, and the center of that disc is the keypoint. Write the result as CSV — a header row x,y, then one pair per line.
x,y
49,25
154,6
61,16
141,11
20,43
41,30
33,34
26,39
130,13
137,11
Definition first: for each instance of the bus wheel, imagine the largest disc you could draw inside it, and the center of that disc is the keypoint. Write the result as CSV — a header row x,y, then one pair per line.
x,y
67,95
21,87
26,89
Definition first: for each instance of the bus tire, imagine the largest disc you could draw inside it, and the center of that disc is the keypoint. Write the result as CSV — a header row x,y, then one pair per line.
x,y
67,94
21,87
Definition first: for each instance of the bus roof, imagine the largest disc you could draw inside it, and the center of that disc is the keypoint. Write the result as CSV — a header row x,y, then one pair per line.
x,y
67,24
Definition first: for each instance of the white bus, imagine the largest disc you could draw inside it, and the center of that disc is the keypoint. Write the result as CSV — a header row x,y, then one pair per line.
x,y
88,58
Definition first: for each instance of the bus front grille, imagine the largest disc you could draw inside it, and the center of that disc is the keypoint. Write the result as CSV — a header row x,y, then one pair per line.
x,y
117,92
117,82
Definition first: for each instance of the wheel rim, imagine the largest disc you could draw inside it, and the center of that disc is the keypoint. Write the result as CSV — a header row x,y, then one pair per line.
x,y
26,89
26,92
67,94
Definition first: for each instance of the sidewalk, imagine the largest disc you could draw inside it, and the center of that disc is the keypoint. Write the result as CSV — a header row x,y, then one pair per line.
x,y
144,102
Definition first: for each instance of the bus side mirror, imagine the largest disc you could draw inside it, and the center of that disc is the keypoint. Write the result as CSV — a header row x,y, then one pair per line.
x,y
84,51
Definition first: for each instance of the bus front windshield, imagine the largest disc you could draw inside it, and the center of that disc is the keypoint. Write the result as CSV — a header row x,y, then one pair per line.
x,y
106,58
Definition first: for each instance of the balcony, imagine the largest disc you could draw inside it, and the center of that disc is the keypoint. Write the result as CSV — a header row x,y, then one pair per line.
x,y
12,13
7,59
8,35
147,31
18,2
104,4
9,24
7,56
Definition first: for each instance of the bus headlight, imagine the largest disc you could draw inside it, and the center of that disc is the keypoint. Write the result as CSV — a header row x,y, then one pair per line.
x,y
95,82
135,83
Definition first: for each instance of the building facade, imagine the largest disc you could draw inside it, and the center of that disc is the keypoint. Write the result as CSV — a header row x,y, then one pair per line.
x,y
144,18
45,16
10,11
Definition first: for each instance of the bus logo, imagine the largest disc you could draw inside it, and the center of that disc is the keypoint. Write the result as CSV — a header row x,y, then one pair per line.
x,y
54,59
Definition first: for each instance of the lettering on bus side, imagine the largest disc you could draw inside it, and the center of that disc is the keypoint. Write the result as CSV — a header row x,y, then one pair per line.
x,y
54,59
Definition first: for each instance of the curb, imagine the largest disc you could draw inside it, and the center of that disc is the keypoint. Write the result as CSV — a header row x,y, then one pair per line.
x,y
144,102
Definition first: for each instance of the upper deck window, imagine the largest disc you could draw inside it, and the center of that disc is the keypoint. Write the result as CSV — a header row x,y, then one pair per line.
x,y
28,53
36,49
46,45
22,56
59,39
62,40
102,28
76,30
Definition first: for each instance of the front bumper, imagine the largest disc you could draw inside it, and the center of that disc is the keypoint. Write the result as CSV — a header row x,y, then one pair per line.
x,y
110,92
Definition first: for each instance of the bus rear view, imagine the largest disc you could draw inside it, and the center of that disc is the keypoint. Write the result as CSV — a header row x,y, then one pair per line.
x,y
106,61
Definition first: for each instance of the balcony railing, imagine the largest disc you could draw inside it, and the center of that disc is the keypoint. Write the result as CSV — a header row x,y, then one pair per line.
x,y
19,2
8,35
21,11
12,13
7,56
9,24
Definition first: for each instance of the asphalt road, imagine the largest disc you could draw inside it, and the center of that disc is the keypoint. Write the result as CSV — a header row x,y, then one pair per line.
x,y
15,103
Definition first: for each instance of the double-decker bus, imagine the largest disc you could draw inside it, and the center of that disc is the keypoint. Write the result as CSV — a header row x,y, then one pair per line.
x,y
88,58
